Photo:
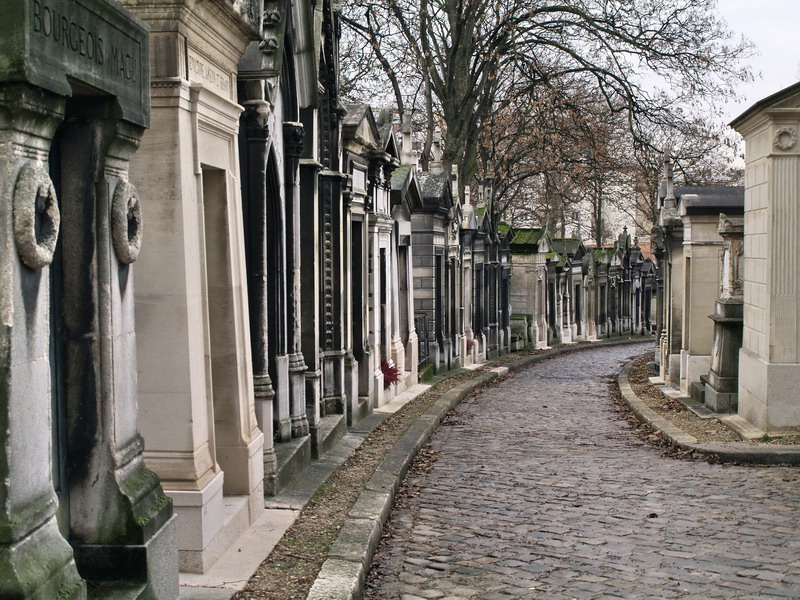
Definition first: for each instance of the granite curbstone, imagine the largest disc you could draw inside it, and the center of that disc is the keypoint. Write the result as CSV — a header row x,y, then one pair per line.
x,y
357,540
651,417
372,505
741,452
335,581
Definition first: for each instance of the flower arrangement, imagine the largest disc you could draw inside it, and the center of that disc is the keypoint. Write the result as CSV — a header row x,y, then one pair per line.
x,y
391,374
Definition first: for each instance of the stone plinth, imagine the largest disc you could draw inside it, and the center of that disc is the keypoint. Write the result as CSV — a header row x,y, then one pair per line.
x,y
721,385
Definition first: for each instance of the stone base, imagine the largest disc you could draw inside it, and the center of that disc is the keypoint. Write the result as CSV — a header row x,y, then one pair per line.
x,y
235,520
208,522
147,570
673,372
40,566
768,393
360,410
412,361
331,429
200,520
293,457
698,391
721,402
244,468
692,366
283,417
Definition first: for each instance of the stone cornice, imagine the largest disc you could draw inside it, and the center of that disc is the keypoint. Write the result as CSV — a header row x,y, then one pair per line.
x,y
213,23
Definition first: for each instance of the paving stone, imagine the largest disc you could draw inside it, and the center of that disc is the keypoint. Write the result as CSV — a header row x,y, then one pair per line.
x,y
542,491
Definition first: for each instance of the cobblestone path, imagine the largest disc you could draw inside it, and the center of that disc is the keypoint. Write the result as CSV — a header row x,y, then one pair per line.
x,y
541,491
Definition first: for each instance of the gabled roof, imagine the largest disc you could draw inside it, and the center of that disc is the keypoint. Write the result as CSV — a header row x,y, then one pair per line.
x,y
525,240
525,237
436,194
388,140
355,113
780,96
603,254
647,266
405,186
359,125
569,246
559,260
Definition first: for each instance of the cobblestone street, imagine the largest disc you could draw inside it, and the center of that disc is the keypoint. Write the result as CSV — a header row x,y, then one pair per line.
x,y
540,490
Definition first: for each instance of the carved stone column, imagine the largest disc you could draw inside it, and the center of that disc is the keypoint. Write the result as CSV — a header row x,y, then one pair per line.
x,y
309,289
254,179
293,149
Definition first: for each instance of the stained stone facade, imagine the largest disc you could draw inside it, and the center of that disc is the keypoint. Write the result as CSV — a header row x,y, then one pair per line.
x,y
688,223
380,262
77,502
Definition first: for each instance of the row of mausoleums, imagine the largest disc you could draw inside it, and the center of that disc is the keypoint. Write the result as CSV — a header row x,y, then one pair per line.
x,y
563,291
730,337
210,268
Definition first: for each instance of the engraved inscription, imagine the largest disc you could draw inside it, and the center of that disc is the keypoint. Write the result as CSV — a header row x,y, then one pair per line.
x,y
62,28
201,72
71,33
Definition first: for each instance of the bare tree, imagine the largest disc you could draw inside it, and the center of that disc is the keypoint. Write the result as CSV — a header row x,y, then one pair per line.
x,y
460,60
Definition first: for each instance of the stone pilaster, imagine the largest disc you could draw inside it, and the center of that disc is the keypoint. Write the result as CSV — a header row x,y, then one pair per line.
x,y
293,148
35,560
769,361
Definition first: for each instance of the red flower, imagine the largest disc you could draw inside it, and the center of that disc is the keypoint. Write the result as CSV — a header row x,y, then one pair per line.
x,y
391,374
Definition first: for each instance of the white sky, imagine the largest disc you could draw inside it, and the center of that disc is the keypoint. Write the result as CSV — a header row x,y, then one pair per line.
x,y
772,25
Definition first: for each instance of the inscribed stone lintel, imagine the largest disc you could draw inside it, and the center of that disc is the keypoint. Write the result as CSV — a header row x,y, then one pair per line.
x,y
202,70
69,45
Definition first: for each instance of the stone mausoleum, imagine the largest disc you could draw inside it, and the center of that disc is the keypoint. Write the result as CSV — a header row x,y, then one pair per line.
x,y
79,510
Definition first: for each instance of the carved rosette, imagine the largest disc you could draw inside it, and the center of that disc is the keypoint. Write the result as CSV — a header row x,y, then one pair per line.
x,y
36,217
126,223
293,139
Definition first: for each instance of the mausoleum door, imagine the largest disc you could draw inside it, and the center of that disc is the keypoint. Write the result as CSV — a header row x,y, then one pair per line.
x,y
58,397
357,269
439,292
385,331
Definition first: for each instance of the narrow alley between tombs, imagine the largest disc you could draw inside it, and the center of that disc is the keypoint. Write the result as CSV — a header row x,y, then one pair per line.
x,y
536,488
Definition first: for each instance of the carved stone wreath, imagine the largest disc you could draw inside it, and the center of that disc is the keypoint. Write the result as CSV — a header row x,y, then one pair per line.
x,y
36,217
785,138
126,223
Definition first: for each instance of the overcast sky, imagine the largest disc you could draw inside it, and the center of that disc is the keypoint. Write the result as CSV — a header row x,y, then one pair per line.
x,y
772,25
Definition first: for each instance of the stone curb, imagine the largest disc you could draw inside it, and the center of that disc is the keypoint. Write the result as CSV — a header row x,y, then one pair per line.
x,y
759,454
343,573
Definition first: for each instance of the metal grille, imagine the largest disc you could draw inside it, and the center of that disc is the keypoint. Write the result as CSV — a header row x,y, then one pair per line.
x,y
421,326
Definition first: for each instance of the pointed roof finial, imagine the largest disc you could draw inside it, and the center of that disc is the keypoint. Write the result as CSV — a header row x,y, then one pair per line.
x,y
669,196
